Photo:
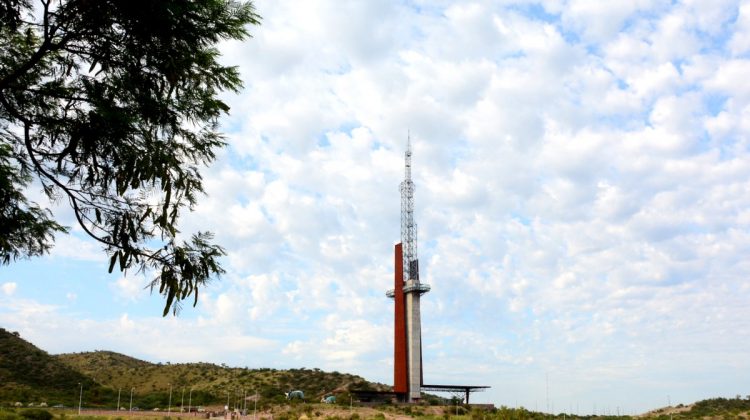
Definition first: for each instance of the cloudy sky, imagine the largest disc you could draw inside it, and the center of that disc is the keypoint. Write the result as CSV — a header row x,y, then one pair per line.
x,y
582,174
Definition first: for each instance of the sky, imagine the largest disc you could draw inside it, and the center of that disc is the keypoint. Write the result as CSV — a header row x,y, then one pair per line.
x,y
582,175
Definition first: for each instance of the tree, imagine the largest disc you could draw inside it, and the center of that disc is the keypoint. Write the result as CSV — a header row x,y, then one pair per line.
x,y
112,106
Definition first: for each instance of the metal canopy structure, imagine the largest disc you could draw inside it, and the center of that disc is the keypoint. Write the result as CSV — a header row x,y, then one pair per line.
x,y
456,389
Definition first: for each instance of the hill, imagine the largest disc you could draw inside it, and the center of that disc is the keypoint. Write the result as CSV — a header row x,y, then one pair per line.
x,y
29,374
209,382
713,408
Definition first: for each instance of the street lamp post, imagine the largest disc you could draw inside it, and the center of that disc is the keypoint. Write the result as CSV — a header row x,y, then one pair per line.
x,y
130,410
169,409
190,400
80,399
182,400
118,399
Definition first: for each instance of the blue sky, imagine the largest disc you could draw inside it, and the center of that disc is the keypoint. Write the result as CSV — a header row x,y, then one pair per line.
x,y
582,194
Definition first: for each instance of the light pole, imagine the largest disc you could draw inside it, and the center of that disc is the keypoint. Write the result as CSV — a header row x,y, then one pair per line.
x,y
244,401
80,399
118,399
131,400
190,399
169,409
182,400
226,407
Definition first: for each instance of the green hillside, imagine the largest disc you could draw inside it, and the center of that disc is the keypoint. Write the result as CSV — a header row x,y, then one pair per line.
x,y
30,375
210,383
714,408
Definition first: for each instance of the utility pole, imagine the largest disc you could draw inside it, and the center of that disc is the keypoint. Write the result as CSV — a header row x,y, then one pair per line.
x,y
130,410
80,398
190,400
169,409
118,399
182,400
546,375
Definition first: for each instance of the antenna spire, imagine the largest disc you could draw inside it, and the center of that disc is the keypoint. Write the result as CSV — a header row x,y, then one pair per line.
x,y
408,227
407,159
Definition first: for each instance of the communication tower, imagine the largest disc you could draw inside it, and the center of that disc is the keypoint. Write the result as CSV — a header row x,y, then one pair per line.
x,y
408,375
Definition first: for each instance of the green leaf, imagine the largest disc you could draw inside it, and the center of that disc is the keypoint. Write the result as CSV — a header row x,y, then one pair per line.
x,y
112,262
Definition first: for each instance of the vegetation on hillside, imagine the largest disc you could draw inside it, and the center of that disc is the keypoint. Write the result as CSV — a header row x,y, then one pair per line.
x,y
29,374
210,383
723,408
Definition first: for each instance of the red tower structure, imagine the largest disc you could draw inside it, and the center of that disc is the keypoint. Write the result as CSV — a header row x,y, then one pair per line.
x,y
400,382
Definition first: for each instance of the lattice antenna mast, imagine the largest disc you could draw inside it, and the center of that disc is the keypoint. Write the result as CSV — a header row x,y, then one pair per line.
x,y
408,227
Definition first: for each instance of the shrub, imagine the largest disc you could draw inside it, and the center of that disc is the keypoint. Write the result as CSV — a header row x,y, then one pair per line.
x,y
9,415
36,414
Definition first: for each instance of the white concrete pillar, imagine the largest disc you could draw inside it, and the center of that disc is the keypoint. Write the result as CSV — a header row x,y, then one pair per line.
x,y
413,342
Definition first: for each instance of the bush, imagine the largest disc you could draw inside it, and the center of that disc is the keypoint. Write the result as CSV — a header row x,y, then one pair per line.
x,y
36,414
9,415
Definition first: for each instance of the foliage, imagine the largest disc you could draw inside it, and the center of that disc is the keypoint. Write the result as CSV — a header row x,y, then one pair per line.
x,y
35,376
112,105
208,380
36,414
9,415
29,373
716,406
25,228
